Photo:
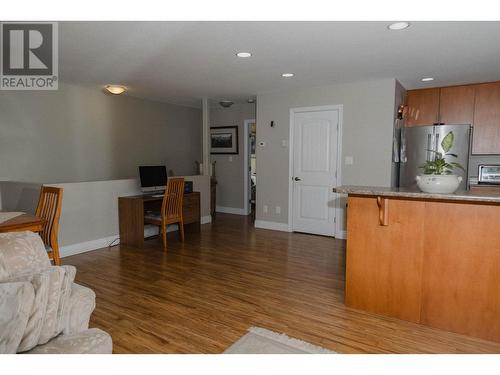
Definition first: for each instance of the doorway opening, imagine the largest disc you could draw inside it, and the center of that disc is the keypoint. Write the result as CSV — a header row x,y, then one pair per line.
x,y
250,171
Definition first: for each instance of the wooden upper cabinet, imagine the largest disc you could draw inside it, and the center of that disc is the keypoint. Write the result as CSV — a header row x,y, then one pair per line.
x,y
423,107
486,139
456,105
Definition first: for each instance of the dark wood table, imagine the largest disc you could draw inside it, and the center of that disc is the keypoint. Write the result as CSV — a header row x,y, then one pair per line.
x,y
131,210
22,223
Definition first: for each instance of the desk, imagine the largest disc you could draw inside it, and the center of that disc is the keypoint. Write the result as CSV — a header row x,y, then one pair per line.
x,y
131,211
24,222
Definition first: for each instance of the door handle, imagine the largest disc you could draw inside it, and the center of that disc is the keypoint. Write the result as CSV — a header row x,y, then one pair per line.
x,y
297,179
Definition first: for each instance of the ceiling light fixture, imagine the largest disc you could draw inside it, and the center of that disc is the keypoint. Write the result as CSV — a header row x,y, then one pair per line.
x,y
243,54
427,79
226,103
398,26
287,75
115,89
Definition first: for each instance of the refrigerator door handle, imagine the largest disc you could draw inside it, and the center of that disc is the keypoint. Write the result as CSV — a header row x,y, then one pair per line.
x,y
429,146
436,143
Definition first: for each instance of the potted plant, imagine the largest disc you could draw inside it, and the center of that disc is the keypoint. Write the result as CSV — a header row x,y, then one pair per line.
x,y
438,174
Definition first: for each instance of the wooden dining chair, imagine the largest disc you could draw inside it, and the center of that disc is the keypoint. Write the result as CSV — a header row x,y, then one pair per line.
x,y
171,210
49,209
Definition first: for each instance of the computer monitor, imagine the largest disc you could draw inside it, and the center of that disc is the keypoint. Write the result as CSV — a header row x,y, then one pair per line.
x,y
153,178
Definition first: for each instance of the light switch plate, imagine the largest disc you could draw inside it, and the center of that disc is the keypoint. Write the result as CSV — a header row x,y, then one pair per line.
x,y
230,158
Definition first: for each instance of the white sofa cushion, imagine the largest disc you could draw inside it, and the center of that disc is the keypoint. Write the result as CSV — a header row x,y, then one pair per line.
x,y
51,322
21,253
16,302
40,284
90,341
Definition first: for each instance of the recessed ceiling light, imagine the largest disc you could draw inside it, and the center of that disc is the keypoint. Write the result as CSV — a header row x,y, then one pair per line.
x,y
287,75
243,54
398,26
427,79
115,89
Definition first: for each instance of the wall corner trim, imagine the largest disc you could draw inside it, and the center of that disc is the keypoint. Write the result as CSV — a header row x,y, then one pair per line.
x,y
206,219
272,225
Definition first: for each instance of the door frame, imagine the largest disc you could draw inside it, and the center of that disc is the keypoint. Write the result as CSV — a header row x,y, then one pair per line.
x,y
246,165
338,232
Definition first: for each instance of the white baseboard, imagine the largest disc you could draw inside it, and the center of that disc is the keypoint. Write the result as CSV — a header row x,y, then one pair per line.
x,y
206,219
231,210
342,235
263,224
82,247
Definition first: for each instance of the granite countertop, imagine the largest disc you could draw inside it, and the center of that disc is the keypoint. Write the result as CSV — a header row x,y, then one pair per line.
x,y
469,196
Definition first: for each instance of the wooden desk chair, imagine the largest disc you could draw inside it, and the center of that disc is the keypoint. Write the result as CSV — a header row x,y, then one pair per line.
x,y
49,208
171,210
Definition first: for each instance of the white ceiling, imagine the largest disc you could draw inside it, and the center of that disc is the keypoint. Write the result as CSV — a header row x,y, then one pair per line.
x,y
181,62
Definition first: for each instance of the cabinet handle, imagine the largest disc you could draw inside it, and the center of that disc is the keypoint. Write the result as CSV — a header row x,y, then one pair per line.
x,y
383,211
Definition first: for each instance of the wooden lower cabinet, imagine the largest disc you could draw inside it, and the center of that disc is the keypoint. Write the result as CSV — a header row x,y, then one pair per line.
x,y
435,263
461,274
377,254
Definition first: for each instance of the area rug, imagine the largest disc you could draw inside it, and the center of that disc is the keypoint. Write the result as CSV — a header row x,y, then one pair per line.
x,y
262,341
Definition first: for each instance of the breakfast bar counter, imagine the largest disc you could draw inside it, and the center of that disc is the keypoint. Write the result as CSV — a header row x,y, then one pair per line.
x,y
432,259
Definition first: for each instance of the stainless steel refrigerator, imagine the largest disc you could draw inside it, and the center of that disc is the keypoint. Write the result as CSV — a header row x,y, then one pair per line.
x,y
417,144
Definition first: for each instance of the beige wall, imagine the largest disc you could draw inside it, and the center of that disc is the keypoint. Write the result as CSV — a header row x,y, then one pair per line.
x,y
368,109
89,216
230,174
81,134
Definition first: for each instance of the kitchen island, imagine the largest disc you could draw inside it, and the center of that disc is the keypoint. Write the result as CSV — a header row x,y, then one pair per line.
x,y
432,259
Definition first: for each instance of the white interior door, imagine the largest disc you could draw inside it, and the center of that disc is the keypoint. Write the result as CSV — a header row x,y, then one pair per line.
x,y
314,171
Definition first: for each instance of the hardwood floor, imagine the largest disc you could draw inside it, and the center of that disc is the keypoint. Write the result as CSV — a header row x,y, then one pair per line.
x,y
203,295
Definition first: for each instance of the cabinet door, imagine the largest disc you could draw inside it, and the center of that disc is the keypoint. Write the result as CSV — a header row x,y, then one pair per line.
x,y
384,263
423,107
461,272
456,105
486,139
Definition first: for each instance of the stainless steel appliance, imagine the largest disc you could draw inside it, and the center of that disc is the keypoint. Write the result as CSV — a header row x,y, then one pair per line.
x,y
489,174
418,144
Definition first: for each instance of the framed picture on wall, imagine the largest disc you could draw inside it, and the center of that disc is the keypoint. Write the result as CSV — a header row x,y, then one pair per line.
x,y
224,140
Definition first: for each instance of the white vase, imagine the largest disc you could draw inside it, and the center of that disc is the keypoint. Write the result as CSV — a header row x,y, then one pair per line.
x,y
441,184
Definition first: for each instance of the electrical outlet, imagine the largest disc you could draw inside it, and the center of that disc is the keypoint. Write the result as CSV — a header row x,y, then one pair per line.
x,y
265,209
278,210
230,158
